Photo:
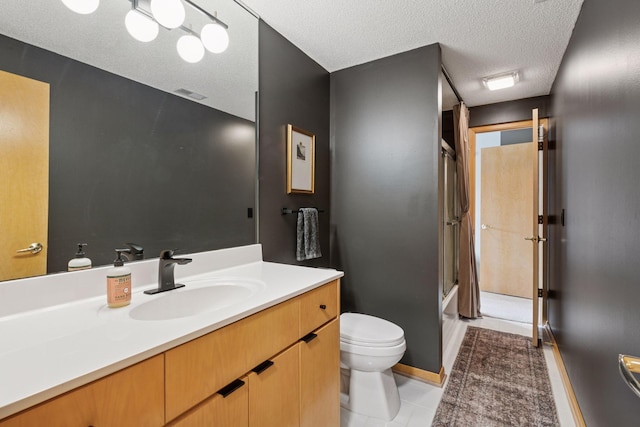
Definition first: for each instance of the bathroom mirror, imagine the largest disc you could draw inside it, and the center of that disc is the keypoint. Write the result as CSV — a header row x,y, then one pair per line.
x,y
131,159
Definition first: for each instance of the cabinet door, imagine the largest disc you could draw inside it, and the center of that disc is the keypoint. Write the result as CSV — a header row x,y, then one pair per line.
x,y
197,369
319,306
320,377
133,396
274,391
219,411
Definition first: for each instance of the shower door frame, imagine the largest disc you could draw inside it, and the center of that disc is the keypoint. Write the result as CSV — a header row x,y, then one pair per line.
x,y
447,151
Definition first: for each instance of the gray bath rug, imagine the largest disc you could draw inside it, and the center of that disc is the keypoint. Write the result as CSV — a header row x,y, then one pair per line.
x,y
498,379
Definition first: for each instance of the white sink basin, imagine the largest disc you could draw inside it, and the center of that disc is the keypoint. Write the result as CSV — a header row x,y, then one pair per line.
x,y
198,296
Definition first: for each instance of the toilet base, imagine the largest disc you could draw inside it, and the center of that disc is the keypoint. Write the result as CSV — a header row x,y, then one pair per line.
x,y
374,394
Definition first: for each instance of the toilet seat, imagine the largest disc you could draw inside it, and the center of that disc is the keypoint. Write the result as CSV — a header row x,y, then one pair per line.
x,y
368,331
371,351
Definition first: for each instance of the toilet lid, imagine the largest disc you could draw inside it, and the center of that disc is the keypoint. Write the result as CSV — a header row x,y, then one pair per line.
x,y
362,329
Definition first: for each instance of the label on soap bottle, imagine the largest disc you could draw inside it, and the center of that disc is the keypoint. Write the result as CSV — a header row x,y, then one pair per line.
x,y
119,290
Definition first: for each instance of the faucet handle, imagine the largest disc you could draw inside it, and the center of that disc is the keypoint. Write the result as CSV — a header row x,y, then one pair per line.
x,y
167,254
137,251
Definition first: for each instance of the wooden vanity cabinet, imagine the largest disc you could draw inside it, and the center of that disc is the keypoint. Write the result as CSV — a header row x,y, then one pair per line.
x,y
197,369
292,364
287,357
133,396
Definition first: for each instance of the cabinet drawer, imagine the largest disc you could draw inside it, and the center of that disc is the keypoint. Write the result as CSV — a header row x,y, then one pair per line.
x,y
135,394
197,369
319,306
219,411
274,393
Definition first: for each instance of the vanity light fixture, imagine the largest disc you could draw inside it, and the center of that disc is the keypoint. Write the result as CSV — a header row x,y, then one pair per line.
x,y
83,7
171,14
501,81
144,19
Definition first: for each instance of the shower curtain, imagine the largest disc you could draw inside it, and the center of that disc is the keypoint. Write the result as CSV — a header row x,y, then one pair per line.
x,y
468,288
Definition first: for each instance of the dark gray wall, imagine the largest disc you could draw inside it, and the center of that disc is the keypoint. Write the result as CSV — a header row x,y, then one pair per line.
x,y
510,111
293,90
385,140
129,163
594,279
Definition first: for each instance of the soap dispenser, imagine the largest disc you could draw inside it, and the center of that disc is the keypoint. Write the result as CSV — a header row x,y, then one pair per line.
x,y
119,282
80,262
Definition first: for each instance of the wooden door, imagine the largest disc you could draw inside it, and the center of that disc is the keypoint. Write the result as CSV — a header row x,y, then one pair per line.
x,y
506,266
24,173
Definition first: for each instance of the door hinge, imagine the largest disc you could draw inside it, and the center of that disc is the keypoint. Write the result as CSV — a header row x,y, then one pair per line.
x,y
540,219
540,145
540,294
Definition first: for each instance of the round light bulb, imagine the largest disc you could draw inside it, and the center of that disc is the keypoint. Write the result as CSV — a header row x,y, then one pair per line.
x,y
169,13
214,38
190,48
83,7
141,27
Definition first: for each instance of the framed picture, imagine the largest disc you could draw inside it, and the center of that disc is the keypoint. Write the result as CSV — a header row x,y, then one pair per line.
x,y
301,160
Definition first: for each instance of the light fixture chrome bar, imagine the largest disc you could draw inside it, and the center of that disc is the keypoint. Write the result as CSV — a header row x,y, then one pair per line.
x,y
188,30
144,7
204,12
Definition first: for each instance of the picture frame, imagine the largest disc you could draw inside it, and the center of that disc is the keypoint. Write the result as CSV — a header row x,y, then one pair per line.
x,y
301,160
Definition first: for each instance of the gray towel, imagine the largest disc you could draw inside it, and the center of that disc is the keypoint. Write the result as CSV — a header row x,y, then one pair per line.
x,y
308,239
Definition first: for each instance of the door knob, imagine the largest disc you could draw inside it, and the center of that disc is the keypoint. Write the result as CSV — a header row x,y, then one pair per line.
x,y
34,248
536,239
485,227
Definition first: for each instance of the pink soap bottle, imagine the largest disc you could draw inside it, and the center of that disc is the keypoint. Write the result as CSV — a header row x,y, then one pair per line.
x,y
119,282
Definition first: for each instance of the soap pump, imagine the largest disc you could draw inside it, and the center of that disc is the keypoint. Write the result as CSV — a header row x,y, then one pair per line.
x,y
80,262
119,282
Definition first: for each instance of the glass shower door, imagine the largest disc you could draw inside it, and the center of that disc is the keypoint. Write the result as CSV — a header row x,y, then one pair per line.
x,y
451,221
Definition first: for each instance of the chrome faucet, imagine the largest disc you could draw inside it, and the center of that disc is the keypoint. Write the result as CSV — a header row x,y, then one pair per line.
x,y
166,281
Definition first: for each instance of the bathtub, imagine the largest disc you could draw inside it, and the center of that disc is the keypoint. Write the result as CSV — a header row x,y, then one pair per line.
x,y
450,321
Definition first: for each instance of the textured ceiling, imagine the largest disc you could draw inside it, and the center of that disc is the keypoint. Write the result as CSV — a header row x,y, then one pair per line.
x,y
478,37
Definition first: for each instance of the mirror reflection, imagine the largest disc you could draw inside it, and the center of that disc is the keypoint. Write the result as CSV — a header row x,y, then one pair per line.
x,y
128,159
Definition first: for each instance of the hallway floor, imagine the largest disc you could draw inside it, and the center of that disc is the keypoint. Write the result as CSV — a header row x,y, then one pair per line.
x,y
420,400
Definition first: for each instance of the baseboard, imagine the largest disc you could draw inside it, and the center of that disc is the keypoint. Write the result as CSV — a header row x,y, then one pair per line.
x,y
568,388
432,378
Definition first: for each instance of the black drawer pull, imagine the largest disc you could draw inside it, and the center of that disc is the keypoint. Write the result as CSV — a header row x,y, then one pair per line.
x,y
263,367
309,337
228,389
323,307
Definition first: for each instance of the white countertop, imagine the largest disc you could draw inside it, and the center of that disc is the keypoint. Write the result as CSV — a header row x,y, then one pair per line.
x,y
46,350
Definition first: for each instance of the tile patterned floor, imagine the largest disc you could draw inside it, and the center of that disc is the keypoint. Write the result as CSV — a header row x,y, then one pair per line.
x,y
419,401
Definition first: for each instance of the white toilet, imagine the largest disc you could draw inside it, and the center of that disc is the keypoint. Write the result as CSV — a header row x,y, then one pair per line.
x,y
369,347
